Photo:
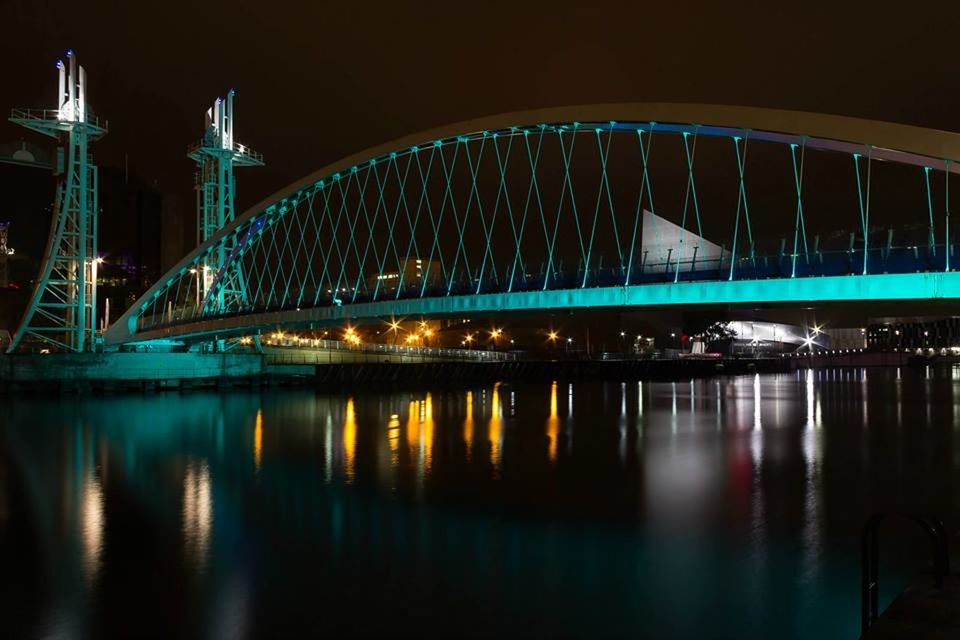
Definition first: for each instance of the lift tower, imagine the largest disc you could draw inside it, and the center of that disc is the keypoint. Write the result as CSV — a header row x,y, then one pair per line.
x,y
216,154
63,308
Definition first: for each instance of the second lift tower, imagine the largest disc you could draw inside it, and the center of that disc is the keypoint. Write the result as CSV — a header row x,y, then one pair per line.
x,y
216,154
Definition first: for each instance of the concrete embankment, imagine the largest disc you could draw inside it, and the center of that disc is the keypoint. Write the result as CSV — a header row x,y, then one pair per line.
x,y
85,372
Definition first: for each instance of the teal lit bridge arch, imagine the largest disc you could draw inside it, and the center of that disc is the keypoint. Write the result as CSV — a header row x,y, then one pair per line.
x,y
567,208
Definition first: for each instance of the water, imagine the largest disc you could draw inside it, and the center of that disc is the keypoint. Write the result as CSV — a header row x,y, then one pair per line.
x,y
713,508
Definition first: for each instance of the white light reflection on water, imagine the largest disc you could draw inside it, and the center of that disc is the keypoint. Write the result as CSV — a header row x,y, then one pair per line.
x,y
758,510
718,399
757,407
864,395
92,523
622,448
810,535
673,407
955,380
197,517
328,449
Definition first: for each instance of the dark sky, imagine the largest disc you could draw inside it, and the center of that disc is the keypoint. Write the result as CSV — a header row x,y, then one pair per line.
x,y
318,80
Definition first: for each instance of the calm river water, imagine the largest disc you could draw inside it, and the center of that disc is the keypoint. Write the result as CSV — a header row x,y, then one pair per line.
x,y
726,507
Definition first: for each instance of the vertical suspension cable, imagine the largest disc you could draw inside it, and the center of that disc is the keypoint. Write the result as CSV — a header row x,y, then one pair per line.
x,y
798,184
864,208
691,190
931,238
741,201
866,231
946,200
644,184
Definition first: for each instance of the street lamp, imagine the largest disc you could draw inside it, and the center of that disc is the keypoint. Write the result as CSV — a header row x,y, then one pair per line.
x,y
395,328
197,278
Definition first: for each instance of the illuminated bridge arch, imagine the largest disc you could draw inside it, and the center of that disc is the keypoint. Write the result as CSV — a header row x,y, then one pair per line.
x,y
589,206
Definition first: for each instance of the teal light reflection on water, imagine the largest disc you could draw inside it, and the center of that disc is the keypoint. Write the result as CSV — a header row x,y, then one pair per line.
x,y
732,504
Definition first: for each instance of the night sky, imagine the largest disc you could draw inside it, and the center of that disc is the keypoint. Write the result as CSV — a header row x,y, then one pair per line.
x,y
319,80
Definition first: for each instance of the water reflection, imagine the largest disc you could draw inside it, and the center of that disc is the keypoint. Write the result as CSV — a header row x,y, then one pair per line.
x,y
468,425
258,440
91,517
553,424
744,505
349,439
494,427
197,513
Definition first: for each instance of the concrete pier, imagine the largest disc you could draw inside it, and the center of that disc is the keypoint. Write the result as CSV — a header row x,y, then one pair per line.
x,y
84,372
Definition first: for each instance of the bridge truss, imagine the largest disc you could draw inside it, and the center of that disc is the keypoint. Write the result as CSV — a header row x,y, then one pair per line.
x,y
608,205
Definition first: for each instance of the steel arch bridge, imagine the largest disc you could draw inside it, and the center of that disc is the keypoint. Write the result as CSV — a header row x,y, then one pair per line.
x,y
617,205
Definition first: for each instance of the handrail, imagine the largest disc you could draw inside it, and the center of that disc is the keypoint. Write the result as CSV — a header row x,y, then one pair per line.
x,y
54,115
312,347
869,561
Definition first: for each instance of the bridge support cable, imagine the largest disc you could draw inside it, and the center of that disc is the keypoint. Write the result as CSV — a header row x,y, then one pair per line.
x,y
314,234
741,203
946,202
567,186
279,272
415,221
533,189
799,224
932,239
644,187
343,277
690,193
436,222
371,226
298,225
604,185
503,161
327,248
392,226
472,196
864,208
334,244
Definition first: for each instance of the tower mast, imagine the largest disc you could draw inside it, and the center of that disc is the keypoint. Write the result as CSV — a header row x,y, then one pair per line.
x,y
63,307
216,155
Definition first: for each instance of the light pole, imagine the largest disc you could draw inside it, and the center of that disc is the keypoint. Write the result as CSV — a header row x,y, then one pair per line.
x,y
197,278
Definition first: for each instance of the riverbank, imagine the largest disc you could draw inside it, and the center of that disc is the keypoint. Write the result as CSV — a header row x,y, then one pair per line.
x,y
141,371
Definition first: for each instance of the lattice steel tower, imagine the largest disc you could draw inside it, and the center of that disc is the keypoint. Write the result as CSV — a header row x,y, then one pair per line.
x,y
63,308
216,154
